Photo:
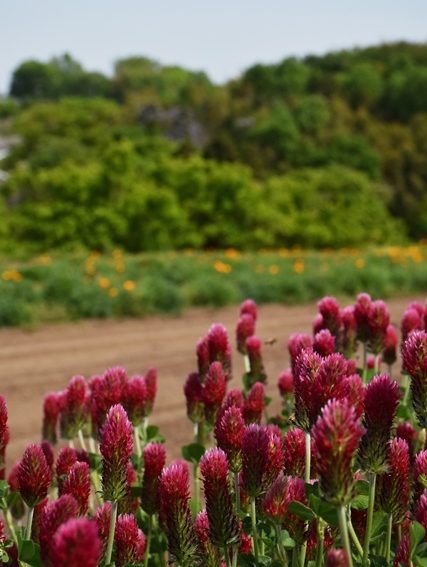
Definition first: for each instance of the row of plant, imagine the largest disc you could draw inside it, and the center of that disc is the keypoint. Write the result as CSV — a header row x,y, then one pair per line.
x,y
57,287
338,478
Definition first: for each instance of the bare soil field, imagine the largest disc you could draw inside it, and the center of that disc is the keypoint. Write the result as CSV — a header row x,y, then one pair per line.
x,y
33,363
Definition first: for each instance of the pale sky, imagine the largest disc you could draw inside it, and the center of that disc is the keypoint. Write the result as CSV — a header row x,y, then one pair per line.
x,y
220,37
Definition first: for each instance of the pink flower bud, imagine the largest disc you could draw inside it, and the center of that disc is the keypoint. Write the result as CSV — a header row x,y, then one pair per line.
x,y
420,474
337,557
405,430
102,520
214,391
389,353
219,348
134,399
414,355
324,342
78,485
412,319
249,307
331,315
256,372
75,408
207,550
379,320
193,391
393,486
67,458
402,556
154,462
254,404
229,431
245,328
116,446
52,517
294,451
296,344
362,310
274,502
51,410
348,344
107,391
76,543
4,435
202,353
34,476
129,541
421,510
286,384
150,380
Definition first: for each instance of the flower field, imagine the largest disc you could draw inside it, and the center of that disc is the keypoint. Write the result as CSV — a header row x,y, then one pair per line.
x,y
58,287
330,472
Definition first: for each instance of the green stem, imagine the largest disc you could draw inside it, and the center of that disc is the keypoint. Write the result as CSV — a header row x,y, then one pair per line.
x,y
196,469
246,363
201,440
388,538
354,537
113,519
372,478
227,556
377,363
295,556
281,550
254,530
9,522
237,492
320,542
29,523
82,440
345,541
235,555
307,457
137,440
148,540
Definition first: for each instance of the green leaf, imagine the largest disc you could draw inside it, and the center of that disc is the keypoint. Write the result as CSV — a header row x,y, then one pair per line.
x,y
379,525
4,488
361,487
136,491
29,553
419,561
95,462
247,560
193,452
153,434
301,511
417,533
360,502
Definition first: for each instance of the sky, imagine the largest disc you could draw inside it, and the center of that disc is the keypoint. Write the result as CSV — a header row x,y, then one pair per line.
x,y
220,37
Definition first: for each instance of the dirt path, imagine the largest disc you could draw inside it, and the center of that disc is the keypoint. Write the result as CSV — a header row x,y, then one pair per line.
x,y
33,363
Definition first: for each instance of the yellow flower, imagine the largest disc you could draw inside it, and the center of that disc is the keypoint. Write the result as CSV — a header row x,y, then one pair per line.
x,y
232,253
274,269
113,292
359,263
12,275
129,285
298,266
222,267
283,252
104,283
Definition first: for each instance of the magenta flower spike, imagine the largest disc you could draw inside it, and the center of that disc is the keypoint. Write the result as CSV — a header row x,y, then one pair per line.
x,y
348,343
219,348
294,451
324,342
206,550
381,398
393,485
245,328
420,474
129,504
150,379
306,370
331,315
193,392
412,320
337,557
129,541
257,371
296,344
285,384
154,462
51,411
175,514
107,390
34,476
224,528
378,321
134,399
405,430
78,485
402,557
337,433
202,354
414,355
103,520
274,503
391,341
116,446
4,435
295,491
214,391
76,543
229,431
262,459
52,517
421,510
356,393
362,311
75,408
254,404
67,458
249,307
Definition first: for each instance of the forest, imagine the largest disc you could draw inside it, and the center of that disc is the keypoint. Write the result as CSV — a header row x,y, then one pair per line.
x,y
317,152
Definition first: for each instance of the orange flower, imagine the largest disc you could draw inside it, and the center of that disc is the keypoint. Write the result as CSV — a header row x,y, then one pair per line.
x,y
129,285
298,266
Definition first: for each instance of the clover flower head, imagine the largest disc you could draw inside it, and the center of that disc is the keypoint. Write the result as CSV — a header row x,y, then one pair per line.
x,y
206,549
34,476
219,348
53,515
214,391
229,431
274,502
285,383
391,340
129,541
150,380
412,319
393,485
414,356
134,399
257,372
378,321
154,462
249,307
78,485
254,404
324,342
51,411
245,328
202,354
296,344
76,543
362,310
193,391
331,315
348,341
65,461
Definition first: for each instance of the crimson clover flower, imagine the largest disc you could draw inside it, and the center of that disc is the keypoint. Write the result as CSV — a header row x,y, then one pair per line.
x,y
34,476
17,508
106,391
381,398
103,519
294,452
52,517
285,384
337,433
295,491
249,307
67,458
391,340
245,328
362,310
420,473
274,503
4,435
134,398
193,391
214,391
414,355
129,541
393,486
421,510
75,408
356,393
229,431
129,504
35,526
378,321
296,344
206,550
348,343
150,380
330,311
405,430
219,348
175,514
262,459
337,557
324,342
254,404
76,543
257,371
51,411
224,529
412,319
154,462
116,446
202,354
78,485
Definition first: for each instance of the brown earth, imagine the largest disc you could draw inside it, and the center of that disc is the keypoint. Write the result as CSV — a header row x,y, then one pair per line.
x,y
33,363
